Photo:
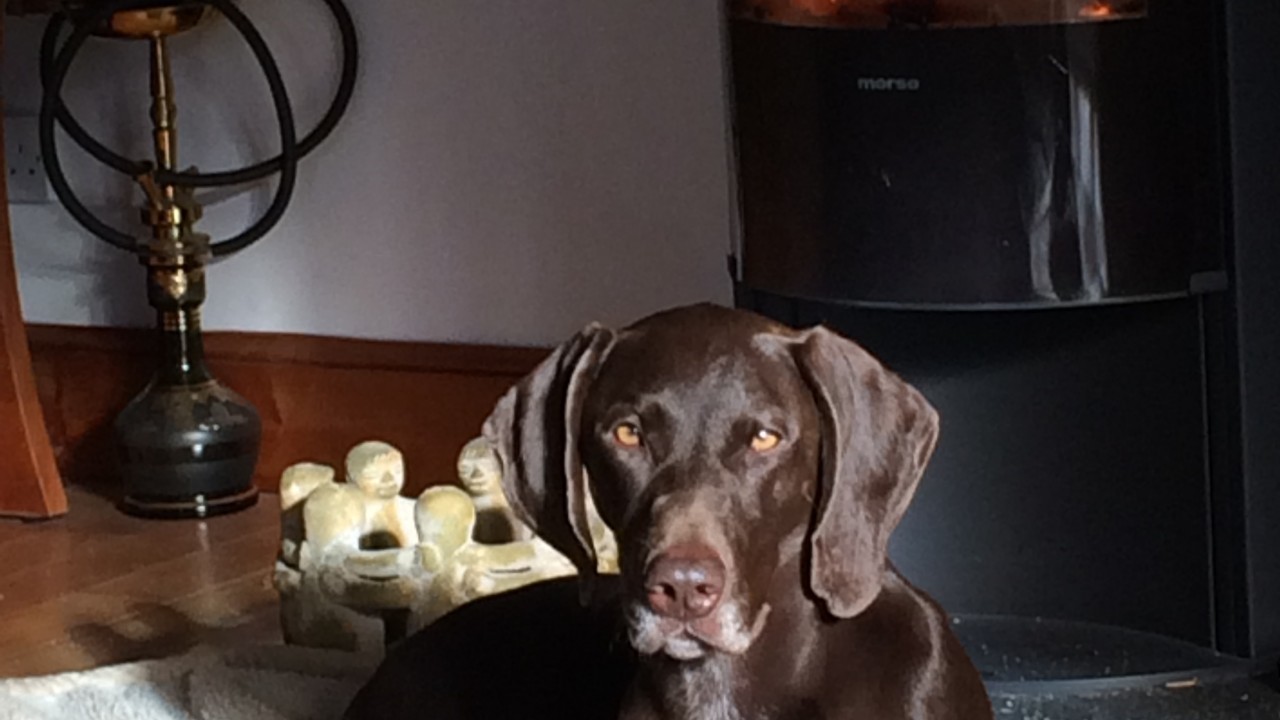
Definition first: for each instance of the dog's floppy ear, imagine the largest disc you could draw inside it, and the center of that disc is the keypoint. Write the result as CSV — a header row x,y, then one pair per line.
x,y
877,435
534,430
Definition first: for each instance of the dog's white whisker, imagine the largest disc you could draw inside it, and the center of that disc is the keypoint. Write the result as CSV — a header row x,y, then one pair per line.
x,y
727,633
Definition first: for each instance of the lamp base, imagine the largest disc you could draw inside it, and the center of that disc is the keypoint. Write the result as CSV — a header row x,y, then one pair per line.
x,y
188,451
199,506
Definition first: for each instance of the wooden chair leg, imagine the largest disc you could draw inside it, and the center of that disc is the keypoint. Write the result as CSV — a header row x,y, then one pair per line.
x,y
30,485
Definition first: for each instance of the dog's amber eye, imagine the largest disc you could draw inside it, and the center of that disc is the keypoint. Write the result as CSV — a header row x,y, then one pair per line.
x,y
627,435
765,440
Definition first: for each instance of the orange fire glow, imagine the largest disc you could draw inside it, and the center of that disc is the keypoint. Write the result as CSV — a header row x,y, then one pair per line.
x,y
1096,10
935,13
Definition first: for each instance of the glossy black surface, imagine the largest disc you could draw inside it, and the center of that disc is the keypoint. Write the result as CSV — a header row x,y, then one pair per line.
x,y
1240,700
187,450
187,445
1069,477
984,167
1251,473
1019,654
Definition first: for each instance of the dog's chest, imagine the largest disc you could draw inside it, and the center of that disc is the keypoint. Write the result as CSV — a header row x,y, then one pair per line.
x,y
707,693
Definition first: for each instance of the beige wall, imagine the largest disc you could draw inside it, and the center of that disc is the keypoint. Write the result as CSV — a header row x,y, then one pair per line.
x,y
508,171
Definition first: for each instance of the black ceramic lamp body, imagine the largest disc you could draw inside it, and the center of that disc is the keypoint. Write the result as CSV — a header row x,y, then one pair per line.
x,y
187,445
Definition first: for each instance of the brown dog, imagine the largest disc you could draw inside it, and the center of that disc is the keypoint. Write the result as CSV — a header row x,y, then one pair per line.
x,y
753,475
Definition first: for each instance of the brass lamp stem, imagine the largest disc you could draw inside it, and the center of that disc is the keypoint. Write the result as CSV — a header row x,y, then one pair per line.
x,y
177,254
163,111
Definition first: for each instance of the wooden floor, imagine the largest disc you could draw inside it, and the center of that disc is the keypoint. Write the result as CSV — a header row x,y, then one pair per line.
x,y
98,587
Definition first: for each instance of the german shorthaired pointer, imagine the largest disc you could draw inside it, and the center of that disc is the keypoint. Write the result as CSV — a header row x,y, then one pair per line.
x,y
753,474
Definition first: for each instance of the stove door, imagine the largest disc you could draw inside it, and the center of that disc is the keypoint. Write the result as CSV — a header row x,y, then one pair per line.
x,y
932,160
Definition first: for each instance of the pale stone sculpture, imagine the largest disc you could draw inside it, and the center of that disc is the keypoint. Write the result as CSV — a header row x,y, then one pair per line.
x,y
463,569
366,512
362,536
308,615
357,552
360,565
480,473
297,482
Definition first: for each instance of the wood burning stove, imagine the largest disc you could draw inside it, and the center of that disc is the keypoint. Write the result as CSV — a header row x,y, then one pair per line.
x,y
1058,219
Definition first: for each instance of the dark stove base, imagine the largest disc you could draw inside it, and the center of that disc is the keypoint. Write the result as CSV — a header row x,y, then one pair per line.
x,y
1227,701
1049,669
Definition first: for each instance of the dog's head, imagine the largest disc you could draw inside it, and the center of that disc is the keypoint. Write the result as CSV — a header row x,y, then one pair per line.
x,y
720,447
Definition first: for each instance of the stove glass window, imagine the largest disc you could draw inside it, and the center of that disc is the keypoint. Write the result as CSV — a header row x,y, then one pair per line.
x,y
935,13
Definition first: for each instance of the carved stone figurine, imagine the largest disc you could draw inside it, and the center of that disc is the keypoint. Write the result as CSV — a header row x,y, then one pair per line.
x,y
480,474
360,565
308,615
462,569
366,512
356,549
297,482
364,533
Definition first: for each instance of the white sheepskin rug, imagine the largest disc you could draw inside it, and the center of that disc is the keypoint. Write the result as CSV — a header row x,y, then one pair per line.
x,y
261,683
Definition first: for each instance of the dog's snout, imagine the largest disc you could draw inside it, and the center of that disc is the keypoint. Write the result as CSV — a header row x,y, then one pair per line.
x,y
685,583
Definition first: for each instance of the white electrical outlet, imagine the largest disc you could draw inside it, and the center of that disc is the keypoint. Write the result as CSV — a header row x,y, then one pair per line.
x,y
24,168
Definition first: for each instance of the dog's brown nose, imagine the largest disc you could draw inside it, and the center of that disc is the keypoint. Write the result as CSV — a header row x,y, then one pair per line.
x,y
685,583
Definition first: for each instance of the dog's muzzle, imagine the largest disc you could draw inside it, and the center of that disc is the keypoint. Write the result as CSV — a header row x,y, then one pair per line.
x,y
684,613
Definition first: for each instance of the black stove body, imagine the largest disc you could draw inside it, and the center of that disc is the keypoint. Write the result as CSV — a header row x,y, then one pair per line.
x,y
1067,234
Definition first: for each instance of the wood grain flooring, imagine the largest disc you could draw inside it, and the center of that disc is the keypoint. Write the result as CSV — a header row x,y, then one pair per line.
x,y
97,587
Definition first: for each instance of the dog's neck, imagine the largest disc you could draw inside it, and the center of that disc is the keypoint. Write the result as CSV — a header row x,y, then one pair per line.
x,y
707,690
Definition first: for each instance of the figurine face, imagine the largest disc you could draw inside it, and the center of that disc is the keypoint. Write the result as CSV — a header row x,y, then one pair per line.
x,y
478,469
382,476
